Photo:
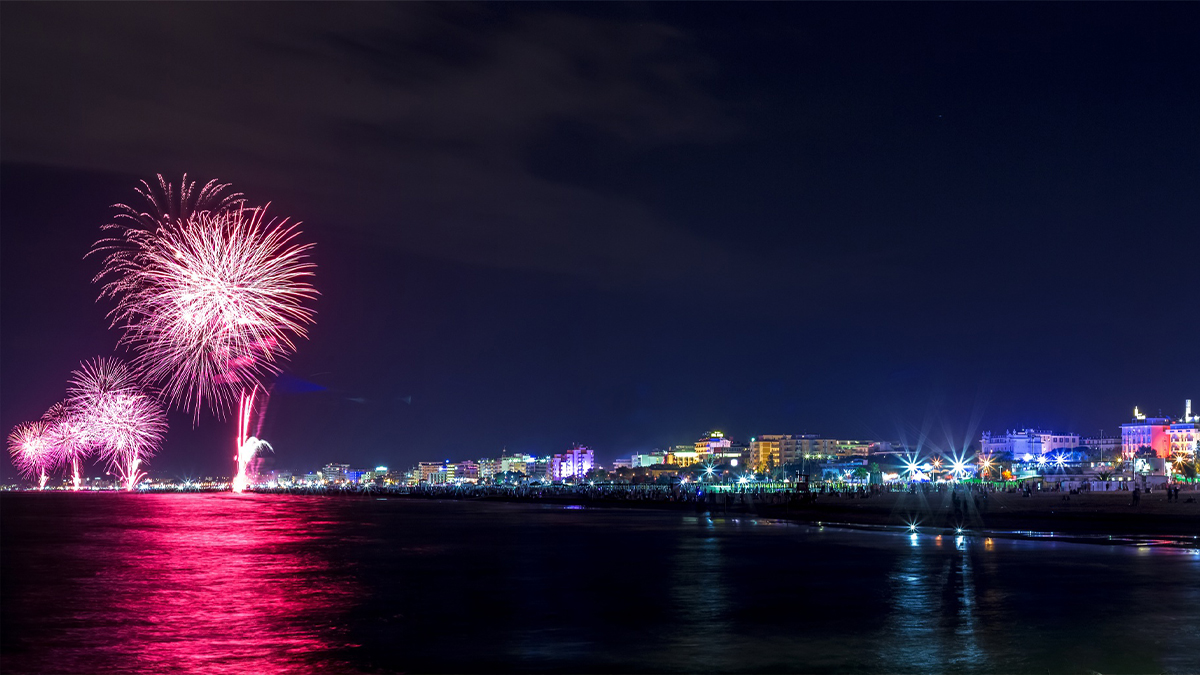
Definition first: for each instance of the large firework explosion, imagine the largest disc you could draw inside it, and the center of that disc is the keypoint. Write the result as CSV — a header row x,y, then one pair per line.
x,y
68,437
121,422
210,294
31,451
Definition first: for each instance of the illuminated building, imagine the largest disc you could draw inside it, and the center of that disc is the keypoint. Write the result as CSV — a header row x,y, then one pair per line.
x,y
1185,434
1146,432
517,463
426,470
712,447
465,471
1015,444
650,458
334,473
681,455
851,448
623,463
488,468
765,452
573,464
538,468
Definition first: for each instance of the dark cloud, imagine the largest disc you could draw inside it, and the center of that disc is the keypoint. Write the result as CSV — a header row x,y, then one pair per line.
x,y
436,108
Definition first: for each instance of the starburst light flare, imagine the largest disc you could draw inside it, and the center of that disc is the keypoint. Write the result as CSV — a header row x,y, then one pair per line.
x,y
121,422
31,451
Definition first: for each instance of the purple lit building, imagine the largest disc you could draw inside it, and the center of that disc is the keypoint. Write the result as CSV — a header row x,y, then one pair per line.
x,y
573,464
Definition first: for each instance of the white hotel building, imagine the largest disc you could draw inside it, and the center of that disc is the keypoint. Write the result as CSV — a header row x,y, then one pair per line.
x,y
1017,443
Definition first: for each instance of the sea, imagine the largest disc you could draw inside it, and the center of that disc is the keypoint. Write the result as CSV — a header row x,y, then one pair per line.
x,y
223,583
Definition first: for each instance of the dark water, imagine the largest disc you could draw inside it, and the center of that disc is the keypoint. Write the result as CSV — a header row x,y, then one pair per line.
x,y
273,584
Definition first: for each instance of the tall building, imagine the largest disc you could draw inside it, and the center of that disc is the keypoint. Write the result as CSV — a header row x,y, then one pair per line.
x,y
1146,432
766,452
572,465
488,468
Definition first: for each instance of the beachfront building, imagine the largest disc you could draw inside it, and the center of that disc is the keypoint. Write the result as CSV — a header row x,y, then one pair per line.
x,y
426,471
1184,435
1106,447
487,468
640,459
680,455
334,473
714,447
515,463
766,452
1016,444
1146,432
573,464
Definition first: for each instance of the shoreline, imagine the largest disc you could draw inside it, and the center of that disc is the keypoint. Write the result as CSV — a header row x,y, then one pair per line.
x,y
1001,514
1091,515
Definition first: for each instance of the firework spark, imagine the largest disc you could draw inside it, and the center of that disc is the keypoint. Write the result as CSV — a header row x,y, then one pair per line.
x,y
122,423
31,451
211,296
68,436
248,446
210,303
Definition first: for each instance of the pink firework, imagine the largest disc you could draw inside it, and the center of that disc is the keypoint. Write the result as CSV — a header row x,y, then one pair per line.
x,y
210,301
120,421
31,451
68,437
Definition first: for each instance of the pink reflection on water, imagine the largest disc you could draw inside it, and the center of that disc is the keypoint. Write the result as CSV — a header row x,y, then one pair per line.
x,y
224,584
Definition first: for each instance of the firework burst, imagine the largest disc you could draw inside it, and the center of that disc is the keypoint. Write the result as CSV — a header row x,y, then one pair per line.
x,y
210,303
32,452
68,437
121,422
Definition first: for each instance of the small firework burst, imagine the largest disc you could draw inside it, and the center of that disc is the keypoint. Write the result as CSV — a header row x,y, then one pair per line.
x,y
32,453
120,421
68,436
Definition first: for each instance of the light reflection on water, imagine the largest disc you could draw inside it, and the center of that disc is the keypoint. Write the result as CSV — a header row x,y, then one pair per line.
x,y
224,584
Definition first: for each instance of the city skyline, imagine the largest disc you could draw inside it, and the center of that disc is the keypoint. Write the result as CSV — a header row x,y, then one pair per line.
x,y
790,226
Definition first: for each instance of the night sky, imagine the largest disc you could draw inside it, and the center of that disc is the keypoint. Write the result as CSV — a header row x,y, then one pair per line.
x,y
623,225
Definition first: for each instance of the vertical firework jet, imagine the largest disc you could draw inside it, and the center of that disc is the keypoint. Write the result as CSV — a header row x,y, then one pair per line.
x,y
120,421
68,436
210,296
31,451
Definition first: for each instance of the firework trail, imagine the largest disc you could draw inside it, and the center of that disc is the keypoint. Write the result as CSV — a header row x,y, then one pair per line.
x,y
120,421
31,451
68,436
210,295
248,446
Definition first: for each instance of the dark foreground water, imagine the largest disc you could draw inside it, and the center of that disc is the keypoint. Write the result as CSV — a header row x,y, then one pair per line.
x,y
272,584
